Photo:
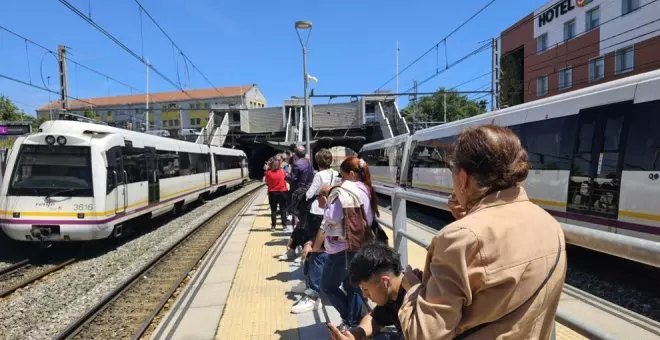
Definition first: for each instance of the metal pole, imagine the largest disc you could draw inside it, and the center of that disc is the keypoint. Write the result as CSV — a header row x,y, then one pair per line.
x,y
307,115
414,117
146,114
492,78
397,73
64,84
399,224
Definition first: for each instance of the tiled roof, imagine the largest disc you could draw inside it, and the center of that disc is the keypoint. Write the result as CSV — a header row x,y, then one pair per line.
x,y
154,97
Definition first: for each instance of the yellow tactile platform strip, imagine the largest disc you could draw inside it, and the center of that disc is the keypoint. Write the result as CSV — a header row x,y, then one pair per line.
x,y
257,307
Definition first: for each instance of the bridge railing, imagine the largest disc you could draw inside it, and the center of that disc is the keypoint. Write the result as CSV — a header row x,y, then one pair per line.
x,y
399,225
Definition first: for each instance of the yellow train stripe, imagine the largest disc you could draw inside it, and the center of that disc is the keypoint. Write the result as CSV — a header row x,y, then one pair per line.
x,y
547,202
5,213
640,215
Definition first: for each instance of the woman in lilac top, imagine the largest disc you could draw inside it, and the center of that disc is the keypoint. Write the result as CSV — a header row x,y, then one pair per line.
x,y
335,272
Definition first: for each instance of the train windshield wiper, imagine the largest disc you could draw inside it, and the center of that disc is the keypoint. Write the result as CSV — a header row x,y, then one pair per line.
x,y
57,193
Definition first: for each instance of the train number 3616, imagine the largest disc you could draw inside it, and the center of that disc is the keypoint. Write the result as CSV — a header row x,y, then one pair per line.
x,y
83,207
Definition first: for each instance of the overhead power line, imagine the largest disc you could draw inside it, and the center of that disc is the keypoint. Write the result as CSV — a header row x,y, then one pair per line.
x,y
41,88
122,45
48,50
436,45
479,49
185,57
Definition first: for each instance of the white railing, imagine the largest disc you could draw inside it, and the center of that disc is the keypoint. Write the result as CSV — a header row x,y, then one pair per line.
x,y
399,225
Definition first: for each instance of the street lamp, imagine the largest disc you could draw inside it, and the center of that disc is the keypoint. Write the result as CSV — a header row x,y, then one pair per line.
x,y
304,25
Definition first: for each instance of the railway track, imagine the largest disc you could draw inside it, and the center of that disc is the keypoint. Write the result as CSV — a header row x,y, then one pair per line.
x,y
26,272
129,310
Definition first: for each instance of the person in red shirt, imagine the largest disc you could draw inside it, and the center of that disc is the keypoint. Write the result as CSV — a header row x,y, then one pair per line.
x,y
277,192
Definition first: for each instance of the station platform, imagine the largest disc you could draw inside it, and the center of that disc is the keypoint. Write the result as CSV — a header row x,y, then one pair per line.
x,y
242,289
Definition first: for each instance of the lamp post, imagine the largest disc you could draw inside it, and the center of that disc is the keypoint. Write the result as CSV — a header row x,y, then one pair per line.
x,y
304,25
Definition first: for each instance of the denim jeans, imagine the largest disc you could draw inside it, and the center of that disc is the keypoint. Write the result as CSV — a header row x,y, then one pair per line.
x,y
315,264
335,273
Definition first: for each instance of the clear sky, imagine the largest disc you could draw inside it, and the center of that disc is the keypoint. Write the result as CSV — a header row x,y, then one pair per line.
x,y
351,49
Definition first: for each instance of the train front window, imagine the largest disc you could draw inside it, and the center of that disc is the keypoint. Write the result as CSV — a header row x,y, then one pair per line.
x,y
43,170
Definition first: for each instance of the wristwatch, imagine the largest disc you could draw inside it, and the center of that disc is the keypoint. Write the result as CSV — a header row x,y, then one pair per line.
x,y
359,331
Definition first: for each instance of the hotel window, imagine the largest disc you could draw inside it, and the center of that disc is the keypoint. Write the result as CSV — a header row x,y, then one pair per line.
x,y
593,19
625,60
596,68
569,30
206,105
628,6
542,86
542,43
191,106
565,78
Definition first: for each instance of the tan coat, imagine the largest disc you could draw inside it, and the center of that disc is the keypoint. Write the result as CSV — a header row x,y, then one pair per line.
x,y
485,265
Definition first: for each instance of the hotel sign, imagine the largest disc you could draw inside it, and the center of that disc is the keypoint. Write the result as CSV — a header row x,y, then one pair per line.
x,y
557,11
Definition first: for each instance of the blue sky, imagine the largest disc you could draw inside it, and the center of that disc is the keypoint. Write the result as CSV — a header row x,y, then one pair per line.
x,y
351,49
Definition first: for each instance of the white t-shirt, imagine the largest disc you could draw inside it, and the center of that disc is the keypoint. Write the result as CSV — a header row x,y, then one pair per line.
x,y
321,178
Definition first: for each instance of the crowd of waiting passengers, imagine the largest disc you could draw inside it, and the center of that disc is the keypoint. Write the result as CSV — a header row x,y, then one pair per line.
x,y
496,272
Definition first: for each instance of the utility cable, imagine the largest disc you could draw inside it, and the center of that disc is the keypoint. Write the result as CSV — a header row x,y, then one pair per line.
x,y
443,40
122,45
177,47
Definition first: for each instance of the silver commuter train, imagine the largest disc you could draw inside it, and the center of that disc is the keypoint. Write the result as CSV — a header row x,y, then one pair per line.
x,y
81,181
594,154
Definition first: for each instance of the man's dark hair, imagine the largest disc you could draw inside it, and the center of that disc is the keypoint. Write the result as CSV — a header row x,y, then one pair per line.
x,y
374,258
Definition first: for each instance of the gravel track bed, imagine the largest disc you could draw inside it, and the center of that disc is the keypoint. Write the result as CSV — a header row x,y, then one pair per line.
x,y
124,316
45,308
22,274
626,283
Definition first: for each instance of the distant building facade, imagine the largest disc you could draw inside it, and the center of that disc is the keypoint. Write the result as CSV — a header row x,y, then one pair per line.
x,y
572,44
170,111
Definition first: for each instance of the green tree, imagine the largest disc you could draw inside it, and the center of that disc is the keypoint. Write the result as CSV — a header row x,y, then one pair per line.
x,y
431,108
511,83
37,122
89,113
9,111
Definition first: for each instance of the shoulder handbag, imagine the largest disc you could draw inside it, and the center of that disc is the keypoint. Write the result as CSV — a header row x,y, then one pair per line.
x,y
475,329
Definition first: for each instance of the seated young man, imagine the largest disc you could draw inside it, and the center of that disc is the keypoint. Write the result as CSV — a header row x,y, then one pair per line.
x,y
376,268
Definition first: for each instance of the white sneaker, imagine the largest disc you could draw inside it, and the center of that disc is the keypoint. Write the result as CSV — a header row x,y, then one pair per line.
x,y
298,260
306,304
289,218
299,288
290,254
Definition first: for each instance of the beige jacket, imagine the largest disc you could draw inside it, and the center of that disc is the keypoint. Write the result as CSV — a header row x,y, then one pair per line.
x,y
485,265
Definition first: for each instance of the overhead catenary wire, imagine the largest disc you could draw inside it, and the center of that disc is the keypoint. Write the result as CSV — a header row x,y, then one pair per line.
x,y
52,52
478,50
122,45
185,57
435,46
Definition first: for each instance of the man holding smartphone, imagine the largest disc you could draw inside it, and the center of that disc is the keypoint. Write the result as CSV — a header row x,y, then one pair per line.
x,y
376,268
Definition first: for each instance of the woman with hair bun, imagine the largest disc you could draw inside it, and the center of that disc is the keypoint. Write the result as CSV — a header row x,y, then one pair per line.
x,y
498,271
349,211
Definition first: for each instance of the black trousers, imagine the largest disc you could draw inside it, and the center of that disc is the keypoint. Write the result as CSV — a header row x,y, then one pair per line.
x,y
275,199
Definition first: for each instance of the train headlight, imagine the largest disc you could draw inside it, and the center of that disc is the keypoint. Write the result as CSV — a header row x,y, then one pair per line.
x,y
61,140
50,140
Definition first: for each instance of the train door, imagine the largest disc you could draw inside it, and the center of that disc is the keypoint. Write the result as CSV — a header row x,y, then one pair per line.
x,y
152,174
594,184
122,183
209,168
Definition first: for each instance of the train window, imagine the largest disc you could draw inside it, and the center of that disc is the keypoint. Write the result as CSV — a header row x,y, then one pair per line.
x,y
113,156
643,146
432,153
199,163
168,164
372,157
184,164
550,143
135,164
46,170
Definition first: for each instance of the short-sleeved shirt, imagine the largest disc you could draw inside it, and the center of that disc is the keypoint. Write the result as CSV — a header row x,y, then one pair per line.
x,y
388,314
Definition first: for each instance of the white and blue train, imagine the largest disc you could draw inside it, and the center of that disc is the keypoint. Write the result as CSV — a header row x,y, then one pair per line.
x,y
594,154
76,181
